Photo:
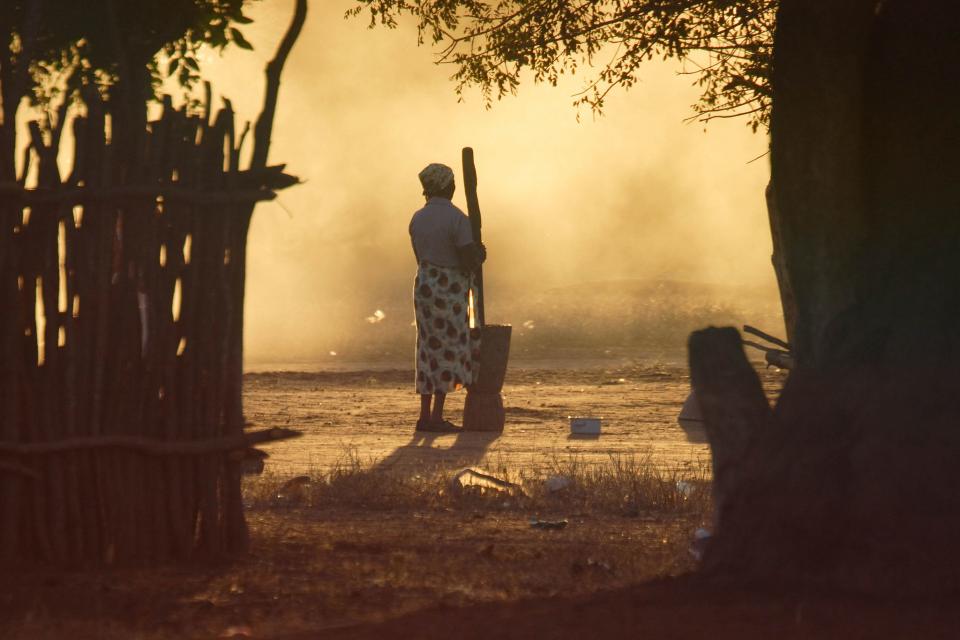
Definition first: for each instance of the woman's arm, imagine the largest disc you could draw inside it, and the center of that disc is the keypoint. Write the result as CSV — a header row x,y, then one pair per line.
x,y
415,254
472,255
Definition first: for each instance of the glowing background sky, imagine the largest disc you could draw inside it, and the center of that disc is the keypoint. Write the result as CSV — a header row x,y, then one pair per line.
x,y
636,193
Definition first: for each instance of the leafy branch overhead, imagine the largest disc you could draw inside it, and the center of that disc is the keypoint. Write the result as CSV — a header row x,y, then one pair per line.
x,y
725,45
57,45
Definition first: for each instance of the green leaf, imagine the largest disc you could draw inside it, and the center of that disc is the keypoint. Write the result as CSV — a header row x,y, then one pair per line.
x,y
217,39
239,40
173,66
242,19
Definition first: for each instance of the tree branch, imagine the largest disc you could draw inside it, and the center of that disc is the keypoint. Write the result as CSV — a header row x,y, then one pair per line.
x,y
264,126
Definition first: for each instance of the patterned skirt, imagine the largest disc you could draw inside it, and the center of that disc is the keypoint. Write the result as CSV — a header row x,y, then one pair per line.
x,y
448,351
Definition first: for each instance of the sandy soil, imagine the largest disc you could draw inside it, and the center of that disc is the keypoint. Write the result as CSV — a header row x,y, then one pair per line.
x,y
371,414
676,609
313,573
466,570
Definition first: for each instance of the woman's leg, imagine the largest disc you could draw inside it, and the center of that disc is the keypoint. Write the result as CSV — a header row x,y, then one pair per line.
x,y
432,421
424,408
438,399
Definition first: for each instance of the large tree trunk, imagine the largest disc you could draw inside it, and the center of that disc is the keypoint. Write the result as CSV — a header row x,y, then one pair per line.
x,y
854,479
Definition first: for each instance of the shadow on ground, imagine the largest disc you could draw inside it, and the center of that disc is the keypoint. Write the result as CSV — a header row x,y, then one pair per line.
x,y
430,450
682,607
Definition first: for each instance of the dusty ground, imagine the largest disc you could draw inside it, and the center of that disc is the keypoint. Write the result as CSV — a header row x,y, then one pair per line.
x,y
371,414
676,609
377,547
315,572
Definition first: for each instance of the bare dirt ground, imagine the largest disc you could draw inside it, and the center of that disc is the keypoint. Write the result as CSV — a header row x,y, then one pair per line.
x,y
378,546
371,414
314,573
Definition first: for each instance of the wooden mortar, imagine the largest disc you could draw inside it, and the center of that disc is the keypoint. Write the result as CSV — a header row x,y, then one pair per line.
x,y
483,407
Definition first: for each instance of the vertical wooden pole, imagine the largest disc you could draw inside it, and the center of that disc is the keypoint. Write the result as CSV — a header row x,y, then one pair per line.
x,y
483,407
476,224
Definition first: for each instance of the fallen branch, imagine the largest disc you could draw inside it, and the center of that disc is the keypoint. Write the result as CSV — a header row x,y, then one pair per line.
x,y
150,446
774,357
766,336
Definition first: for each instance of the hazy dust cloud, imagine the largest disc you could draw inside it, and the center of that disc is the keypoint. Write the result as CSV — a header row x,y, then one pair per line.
x,y
636,197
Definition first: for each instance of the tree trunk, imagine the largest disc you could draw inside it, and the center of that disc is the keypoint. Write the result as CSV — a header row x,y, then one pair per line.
x,y
854,481
788,302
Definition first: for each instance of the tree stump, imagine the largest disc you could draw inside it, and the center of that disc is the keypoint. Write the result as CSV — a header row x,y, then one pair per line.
x,y
483,407
733,406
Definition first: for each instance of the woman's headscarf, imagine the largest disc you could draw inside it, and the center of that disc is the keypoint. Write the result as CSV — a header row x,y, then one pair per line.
x,y
436,178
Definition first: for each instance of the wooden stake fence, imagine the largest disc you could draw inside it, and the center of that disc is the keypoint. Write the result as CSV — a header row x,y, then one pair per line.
x,y
121,289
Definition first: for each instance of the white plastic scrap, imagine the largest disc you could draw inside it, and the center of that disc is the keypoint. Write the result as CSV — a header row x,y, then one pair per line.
x,y
556,483
700,539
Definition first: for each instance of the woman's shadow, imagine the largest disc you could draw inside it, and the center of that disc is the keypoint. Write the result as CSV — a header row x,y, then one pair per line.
x,y
426,449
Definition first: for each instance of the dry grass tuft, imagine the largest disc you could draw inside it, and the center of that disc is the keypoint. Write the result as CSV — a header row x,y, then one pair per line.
x,y
364,541
627,486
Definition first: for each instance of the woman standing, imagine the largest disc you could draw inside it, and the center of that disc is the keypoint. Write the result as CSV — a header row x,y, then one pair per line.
x,y
448,349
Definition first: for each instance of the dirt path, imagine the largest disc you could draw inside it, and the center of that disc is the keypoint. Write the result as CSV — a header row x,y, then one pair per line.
x,y
370,415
